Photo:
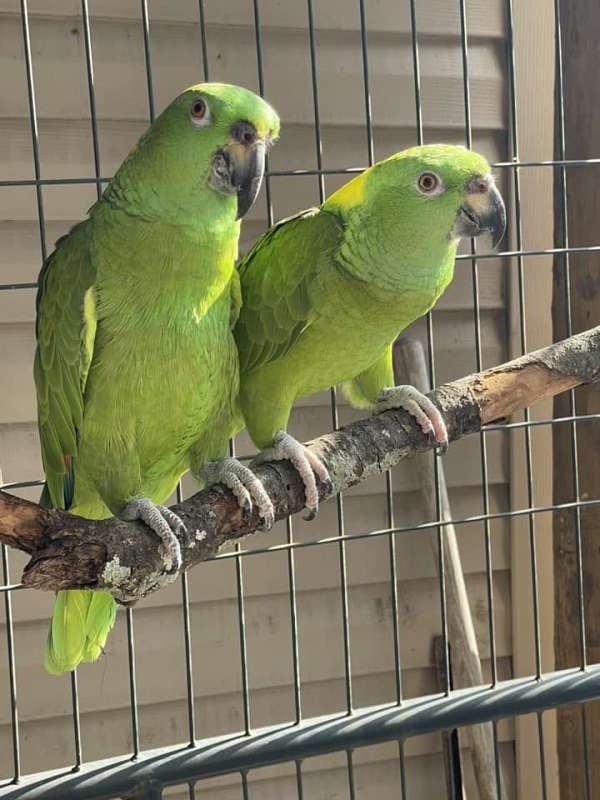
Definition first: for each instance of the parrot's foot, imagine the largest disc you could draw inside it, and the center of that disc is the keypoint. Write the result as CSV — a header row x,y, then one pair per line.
x,y
244,484
165,524
419,406
286,448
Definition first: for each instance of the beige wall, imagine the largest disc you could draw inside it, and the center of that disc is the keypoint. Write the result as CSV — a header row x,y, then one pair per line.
x,y
65,150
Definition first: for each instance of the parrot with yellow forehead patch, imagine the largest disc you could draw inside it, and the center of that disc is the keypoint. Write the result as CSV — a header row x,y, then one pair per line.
x,y
136,367
327,292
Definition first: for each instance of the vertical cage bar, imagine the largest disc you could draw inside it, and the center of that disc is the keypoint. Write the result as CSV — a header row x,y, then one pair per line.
x,y
543,772
344,584
149,82
514,146
482,437
42,231
389,484
91,92
76,721
96,154
34,127
239,577
366,86
439,532
294,624
295,654
315,95
402,764
245,793
430,350
334,410
587,764
560,129
239,581
261,90
12,674
394,587
189,675
299,781
479,359
432,381
187,641
202,20
184,579
129,611
135,732
497,761
416,72
514,140
350,771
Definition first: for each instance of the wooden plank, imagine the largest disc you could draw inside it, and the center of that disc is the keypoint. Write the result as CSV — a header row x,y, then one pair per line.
x,y
159,636
434,16
374,779
47,740
66,146
120,77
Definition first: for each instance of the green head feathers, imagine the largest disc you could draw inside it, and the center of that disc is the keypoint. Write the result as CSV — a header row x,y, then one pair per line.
x,y
438,192
203,158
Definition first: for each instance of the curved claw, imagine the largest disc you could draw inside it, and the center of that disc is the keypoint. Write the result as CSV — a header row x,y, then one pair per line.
x,y
244,484
165,524
308,465
421,408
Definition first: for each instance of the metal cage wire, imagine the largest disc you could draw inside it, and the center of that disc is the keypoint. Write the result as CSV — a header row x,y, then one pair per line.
x,y
304,737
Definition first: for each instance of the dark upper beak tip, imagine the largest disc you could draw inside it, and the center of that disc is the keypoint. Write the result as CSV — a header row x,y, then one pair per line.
x,y
248,178
497,217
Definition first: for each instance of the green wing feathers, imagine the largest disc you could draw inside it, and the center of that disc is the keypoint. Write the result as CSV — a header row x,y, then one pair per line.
x,y
65,335
66,326
278,283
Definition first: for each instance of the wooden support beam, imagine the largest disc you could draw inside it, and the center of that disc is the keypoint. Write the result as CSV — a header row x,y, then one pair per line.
x,y
576,301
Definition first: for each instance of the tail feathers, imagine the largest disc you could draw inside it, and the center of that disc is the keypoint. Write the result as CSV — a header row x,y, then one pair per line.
x,y
81,622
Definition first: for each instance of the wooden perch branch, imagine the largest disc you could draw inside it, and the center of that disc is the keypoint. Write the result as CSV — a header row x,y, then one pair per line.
x,y
68,552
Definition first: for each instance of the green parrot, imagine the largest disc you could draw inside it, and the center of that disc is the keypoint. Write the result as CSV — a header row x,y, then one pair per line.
x,y
136,367
326,292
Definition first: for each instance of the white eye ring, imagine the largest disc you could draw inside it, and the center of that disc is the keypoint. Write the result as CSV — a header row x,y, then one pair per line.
x,y
429,184
200,113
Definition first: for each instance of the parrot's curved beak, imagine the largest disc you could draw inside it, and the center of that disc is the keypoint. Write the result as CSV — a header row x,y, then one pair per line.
x,y
248,168
482,212
238,168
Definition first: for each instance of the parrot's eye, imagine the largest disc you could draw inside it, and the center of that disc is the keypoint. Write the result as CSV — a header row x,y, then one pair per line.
x,y
199,112
429,183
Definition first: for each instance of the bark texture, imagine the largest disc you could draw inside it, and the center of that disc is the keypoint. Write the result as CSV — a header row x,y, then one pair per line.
x,y
68,552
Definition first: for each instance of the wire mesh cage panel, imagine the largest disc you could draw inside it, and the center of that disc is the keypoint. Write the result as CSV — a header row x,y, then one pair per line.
x,y
300,663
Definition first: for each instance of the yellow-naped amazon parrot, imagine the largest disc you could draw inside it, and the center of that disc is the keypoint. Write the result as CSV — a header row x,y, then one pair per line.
x,y
136,367
326,292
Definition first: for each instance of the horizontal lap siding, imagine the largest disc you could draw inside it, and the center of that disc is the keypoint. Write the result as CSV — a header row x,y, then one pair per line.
x,y
66,151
